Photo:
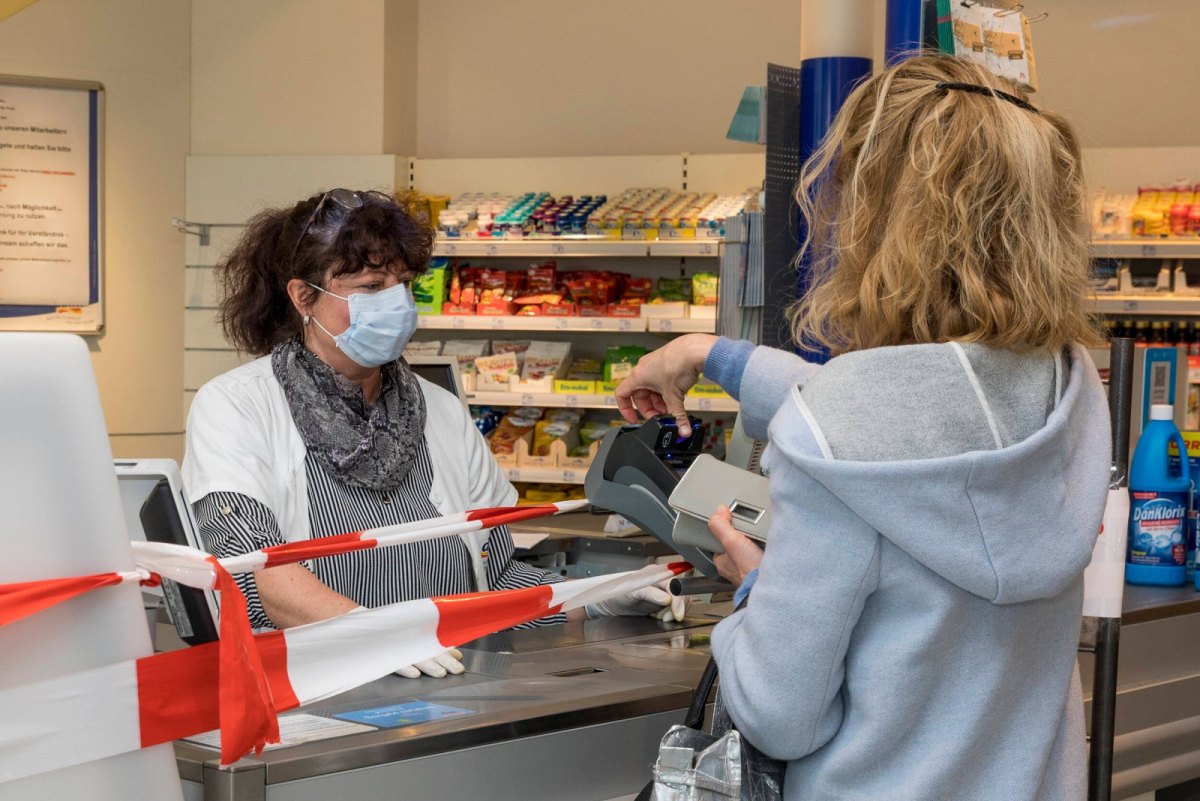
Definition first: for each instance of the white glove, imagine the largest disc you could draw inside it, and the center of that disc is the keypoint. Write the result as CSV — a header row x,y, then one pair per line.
x,y
438,666
654,601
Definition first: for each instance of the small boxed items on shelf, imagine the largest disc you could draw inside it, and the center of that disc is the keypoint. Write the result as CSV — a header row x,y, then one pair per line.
x,y
542,290
535,438
1156,211
634,214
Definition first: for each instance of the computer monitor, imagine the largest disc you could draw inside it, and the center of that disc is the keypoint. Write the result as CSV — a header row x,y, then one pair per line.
x,y
157,510
439,370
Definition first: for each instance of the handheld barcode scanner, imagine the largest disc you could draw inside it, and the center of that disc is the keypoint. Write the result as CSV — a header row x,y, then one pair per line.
x,y
667,487
636,470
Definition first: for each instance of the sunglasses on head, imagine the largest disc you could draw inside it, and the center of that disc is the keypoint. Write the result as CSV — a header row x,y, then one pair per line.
x,y
347,199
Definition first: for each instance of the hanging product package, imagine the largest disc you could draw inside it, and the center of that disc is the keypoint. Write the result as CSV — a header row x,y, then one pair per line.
x,y
967,22
1008,47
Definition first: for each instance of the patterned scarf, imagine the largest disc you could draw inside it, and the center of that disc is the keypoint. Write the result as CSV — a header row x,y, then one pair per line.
x,y
363,446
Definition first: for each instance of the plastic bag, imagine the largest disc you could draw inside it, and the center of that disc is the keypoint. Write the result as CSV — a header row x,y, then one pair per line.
x,y
696,766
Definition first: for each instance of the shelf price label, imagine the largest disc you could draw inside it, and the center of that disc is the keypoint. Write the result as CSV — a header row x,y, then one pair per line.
x,y
526,399
490,249
705,404
514,474
596,323
1149,250
572,401
561,324
568,475
458,323
664,325
610,400
498,323
706,249
450,250
558,249
1129,305
624,324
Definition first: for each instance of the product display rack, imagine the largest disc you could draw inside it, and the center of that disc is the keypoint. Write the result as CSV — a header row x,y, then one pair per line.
x,y
483,322
1146,248
1162,304
572,247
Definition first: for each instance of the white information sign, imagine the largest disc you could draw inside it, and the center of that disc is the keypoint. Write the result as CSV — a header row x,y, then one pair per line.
x,y
50,220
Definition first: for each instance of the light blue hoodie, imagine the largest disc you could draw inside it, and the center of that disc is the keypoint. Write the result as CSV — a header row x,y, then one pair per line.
x,y
913,629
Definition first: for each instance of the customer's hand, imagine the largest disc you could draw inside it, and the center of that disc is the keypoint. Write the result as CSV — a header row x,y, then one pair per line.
x,y
661,379
653,601
437,667
742,554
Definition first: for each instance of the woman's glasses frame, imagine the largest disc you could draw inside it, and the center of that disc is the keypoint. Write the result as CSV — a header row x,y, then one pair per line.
x,y
348,199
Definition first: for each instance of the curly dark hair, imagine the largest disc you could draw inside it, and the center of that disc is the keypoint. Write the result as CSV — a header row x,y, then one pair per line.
x,y
256,312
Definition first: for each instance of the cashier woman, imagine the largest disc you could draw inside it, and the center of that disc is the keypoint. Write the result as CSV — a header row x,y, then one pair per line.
x,y
329,430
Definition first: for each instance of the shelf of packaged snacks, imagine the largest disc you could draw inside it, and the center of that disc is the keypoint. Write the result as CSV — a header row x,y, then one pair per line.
x,y
557,400
684,325
1147,248
488,322
1188,305
466,322
594,247
546,475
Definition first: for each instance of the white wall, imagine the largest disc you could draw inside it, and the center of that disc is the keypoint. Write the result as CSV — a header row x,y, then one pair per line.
x,y
139,50
1123,71
626,77
622,77
287,77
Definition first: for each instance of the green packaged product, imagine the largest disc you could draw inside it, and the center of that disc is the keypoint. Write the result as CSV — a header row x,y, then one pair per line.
x,y
430,288
704,289
620,359
674,289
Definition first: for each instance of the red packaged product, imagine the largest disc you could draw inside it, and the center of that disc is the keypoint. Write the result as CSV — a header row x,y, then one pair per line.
x,y
559,309
543,277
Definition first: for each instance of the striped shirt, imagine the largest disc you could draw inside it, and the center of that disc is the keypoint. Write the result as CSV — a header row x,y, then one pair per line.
x,y
231,524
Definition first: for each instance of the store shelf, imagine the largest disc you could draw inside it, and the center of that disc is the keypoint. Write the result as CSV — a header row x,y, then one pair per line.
x,y
546,475
685,247
464,322
452,322
1175,305
556,400
681,326
1146,248
568,246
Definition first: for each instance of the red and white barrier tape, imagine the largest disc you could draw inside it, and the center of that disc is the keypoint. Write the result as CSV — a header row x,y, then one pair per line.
x,y
191,567
109,710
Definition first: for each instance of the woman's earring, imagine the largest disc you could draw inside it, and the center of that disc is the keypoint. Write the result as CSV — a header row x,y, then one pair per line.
x,y
307,319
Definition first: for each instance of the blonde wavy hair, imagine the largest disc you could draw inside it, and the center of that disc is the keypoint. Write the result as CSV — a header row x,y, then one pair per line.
x,y
941,214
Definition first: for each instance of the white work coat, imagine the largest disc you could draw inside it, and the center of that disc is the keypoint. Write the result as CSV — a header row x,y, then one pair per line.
x,y
241,438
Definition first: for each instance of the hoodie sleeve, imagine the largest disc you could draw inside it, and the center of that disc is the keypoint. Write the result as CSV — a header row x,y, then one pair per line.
x,y
758,377
782,658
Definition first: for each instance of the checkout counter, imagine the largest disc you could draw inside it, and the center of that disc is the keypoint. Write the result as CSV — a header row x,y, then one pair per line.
x,y
576,711
564,712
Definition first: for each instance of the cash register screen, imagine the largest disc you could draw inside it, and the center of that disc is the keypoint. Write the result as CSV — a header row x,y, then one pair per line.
x,y
442,371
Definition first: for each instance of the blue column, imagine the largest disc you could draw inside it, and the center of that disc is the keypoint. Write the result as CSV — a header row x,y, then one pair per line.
x,y
835,50
825,83
903,30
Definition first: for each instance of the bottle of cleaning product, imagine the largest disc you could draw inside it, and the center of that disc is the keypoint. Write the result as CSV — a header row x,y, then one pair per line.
x,y
1158,505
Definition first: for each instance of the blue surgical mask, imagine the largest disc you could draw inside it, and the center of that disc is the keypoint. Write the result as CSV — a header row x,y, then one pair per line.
x,y
381,324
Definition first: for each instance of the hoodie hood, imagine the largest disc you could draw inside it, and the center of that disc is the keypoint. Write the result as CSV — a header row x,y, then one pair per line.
x,y
1002,496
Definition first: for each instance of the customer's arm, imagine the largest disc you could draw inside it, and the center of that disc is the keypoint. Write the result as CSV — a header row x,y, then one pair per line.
x,y
782,658
757,376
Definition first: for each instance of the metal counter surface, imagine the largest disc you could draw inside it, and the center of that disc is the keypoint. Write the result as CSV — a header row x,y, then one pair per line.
x,y
518,685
